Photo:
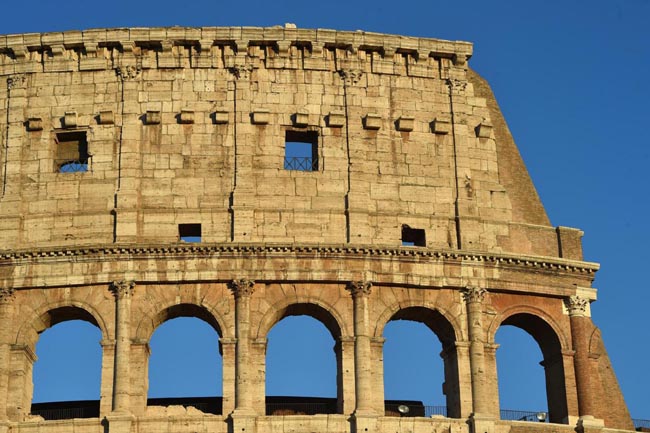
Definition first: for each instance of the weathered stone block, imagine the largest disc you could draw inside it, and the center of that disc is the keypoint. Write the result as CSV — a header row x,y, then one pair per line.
x,y
260,116
221,116
484,130
405,123
336,119
70,119
441,125
34,124
106,118
300,119
372,121
152,117
186,117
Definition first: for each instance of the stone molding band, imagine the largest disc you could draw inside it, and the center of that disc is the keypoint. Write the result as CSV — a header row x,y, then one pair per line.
x,y
17,257
86,44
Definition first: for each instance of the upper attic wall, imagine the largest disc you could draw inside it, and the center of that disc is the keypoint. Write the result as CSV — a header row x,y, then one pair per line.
x,y
188,126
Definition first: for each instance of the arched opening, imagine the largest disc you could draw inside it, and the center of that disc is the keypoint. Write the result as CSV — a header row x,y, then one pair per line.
x,y
302,371
185,362
68,367
420,365
528,387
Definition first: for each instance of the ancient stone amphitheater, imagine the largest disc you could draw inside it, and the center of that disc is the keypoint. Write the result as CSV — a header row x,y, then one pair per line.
x,y
242,175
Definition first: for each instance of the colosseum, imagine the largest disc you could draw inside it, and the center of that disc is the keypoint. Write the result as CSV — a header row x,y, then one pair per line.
x,y
242,175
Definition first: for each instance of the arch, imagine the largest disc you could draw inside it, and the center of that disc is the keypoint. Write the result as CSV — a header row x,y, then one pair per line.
x,y
53,313
448,329
321,312
160,314
542,327
68,365
38,320
316,308
596,346
185,361
552,343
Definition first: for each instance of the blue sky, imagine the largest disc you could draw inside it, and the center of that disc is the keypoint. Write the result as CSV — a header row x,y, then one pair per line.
x,y
571,78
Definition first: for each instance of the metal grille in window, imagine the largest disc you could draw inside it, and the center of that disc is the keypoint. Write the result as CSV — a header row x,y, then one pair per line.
x,y
300,163
301,151
71,152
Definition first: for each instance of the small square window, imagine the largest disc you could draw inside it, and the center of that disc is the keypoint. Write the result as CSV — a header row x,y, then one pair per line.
x,y
301,150
413,237
71,152
189,232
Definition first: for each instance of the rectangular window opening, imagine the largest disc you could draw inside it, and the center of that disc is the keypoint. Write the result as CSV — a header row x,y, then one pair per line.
x,y
413,237
71,152
301,150
189,232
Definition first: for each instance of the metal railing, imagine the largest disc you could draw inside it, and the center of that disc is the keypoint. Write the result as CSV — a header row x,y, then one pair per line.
x,y
281,406
641,424
67,410
522,415
300,163
76,166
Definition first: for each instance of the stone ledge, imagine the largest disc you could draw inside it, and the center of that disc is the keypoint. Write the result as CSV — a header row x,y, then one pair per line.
x,y
11,257
285,43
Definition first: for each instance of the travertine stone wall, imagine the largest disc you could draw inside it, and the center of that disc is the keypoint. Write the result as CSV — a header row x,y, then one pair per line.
x,y
188,126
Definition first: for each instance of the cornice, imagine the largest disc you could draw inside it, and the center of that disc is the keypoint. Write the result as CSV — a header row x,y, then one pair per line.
x,y
239,35
203,250
161,47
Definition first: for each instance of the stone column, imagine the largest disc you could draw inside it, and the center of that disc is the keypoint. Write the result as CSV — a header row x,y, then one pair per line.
x,y
6,315
360,291
491,379
106,391
344,349
139,374
377,346
227,346
242,290
257,374
21,387
121,380
480,398
462,370
581,329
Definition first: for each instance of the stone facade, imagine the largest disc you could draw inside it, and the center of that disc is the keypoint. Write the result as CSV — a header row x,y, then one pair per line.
x,y
414,204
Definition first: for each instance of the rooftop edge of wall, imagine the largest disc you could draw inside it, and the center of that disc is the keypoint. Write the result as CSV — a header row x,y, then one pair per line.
x,y
18,45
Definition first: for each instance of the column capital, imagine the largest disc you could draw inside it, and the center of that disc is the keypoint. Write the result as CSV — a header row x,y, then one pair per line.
x,y
241,71
242,287
122,289
6,295
474,294
128,72
16,81
456,86
359,289
576,305
350,76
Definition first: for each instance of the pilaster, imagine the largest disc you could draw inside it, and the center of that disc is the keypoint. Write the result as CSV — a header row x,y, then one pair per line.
x,y
474,298
6,318
242,290
122,290
360,291
228,379
585,372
